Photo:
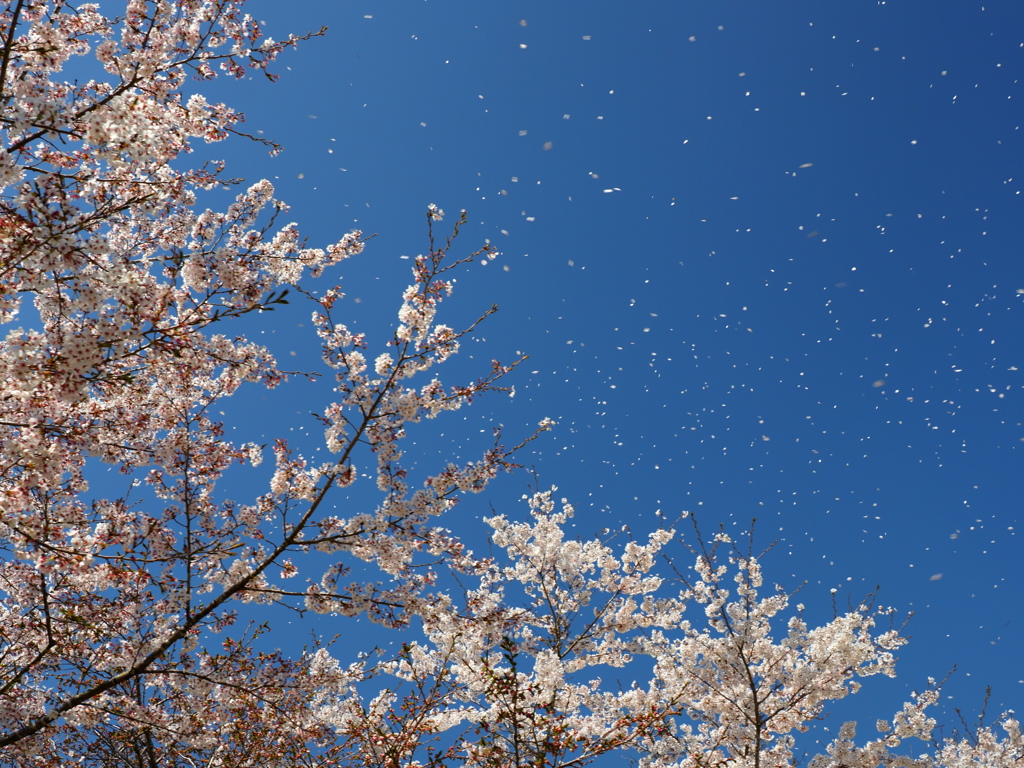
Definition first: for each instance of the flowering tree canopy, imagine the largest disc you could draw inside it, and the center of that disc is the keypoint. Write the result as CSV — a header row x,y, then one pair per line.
x,y
118,635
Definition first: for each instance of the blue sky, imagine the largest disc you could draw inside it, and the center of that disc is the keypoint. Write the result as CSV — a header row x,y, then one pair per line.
x,y
765,258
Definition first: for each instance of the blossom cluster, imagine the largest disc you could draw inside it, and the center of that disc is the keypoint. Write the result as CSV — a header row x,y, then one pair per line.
x,y
513,672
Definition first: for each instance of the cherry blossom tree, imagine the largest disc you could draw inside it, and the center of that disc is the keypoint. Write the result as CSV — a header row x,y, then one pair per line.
x,y
120,645
517,672
122,285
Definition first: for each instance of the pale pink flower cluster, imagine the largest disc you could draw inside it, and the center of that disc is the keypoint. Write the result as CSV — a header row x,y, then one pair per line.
x,y
514,672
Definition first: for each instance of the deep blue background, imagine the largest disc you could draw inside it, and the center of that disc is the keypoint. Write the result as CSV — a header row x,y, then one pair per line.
x,y
768,266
